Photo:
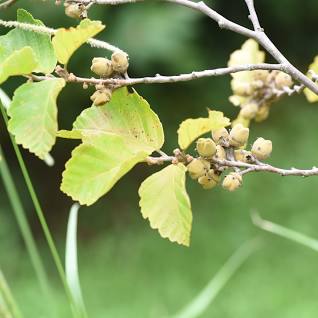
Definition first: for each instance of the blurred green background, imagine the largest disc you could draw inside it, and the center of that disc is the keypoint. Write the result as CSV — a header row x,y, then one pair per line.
x,y
126,269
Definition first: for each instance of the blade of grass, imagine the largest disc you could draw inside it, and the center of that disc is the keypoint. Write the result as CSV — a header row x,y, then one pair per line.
x,y
8,306
71,262
284,232
41,217
23,225
200,303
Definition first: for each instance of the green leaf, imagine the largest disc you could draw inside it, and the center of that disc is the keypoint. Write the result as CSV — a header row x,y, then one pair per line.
x,y
97,164
115,138
127,115
191,129
165,202
33,115
40,44
67,41
17,63
311,96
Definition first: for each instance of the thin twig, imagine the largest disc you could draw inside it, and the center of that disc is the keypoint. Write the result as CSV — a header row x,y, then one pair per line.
x,y
160,79
42,29
7,4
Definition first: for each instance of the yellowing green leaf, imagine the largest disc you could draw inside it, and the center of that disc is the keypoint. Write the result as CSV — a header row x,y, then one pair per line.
x,y
33,115
41,45
17,63
165,202
311,96
191,129
127,115
115,137
67,41
97,164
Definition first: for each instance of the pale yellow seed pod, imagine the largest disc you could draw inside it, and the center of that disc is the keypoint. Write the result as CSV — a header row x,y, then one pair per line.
x,y
207,183
101,97
220,153
197,168
260,75
102,67
239,136
249,110
283,80
242,155
213,175
120,62
262,148
262,114
232,181
74,10
220,135
241,88
206,147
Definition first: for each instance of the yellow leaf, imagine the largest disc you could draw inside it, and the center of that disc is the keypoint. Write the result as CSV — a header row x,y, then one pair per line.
x,y
191,129
67,41
311,96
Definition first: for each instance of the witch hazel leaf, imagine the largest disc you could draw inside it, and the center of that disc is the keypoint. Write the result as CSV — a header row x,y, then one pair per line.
x,y
127,115
33,115
41,45
97,164
165,203
67,41
191,129
19,62
310,95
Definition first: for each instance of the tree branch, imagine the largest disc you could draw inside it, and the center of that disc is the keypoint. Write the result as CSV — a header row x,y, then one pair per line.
x,y
42,29
7,4
161,79
258,33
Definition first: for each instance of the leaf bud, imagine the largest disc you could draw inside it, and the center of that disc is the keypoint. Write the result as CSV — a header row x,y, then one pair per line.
x,y
232,181
206,147
249,110
101,97
120,62
262,148
197,168
220,135
239,136
102,66
220,153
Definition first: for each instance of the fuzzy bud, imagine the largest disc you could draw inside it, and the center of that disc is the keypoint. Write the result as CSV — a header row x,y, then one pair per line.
x,y
260,75
75,10
242,89
243,155
206,147
232,181
262,114
197,168
102,67
220,134
101,97
249,110
220,153
120,62
239,136
207,183
262,148
283,80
